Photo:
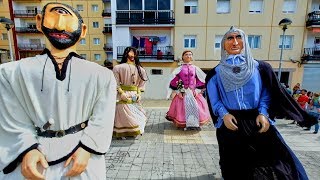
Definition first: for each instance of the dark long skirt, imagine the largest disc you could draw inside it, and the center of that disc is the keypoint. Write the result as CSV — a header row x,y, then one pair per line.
x,y
247,154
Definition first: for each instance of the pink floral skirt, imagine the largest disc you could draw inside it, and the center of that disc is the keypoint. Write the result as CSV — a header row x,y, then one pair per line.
x,y
177,111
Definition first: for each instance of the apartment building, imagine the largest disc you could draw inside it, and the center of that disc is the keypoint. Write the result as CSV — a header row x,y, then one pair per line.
x,y
4,34
148,26
201,24
163,29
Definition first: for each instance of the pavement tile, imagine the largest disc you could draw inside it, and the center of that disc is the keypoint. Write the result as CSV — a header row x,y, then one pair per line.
x,y
163,152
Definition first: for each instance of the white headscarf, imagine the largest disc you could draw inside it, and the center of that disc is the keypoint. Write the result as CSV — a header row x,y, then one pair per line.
x,y
235,76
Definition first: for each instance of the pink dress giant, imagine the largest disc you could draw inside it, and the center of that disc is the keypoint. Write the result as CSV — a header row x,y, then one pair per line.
x,y
189,111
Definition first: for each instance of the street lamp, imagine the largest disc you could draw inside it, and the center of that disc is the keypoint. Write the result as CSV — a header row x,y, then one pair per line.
x,y
284,24
8,24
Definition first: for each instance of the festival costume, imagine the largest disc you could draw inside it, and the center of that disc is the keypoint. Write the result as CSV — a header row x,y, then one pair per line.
x,y
245,153
190,111
130,118
80,100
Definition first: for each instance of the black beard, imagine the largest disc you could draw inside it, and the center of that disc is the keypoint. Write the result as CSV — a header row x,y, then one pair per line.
x,y
58,43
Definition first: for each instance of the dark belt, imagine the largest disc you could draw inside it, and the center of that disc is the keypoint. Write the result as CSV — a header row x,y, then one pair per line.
x,y
61,133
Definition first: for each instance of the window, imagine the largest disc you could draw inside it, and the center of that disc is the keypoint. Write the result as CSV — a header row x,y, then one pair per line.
x,y
135,5
97,57
163,4
190,41
35,41
152,5
95,24
83,41
287,43
317,41
223,6
79,7
32,25
156,71
4,36
256,6
122,4
96,41
254,41
94,8
217,41
289,6
191,6
31,9
84,56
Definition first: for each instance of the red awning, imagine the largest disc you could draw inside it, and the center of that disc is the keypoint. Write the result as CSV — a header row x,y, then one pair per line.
x,y
316,30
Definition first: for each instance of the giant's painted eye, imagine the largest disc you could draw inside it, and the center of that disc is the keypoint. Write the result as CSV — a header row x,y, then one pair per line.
x,y
60,10
239,36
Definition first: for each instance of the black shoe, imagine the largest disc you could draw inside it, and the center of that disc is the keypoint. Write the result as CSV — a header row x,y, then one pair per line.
x,y
307,129
315,132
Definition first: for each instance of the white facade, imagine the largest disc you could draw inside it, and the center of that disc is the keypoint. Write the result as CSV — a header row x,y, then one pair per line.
x,y
157,85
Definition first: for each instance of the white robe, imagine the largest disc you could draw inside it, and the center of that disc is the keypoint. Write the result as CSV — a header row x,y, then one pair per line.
x,y
91,96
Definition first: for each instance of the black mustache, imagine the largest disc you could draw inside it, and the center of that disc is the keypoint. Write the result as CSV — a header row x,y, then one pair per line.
x,y
60,32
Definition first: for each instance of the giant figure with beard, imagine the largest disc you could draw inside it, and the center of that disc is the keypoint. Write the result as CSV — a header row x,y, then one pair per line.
x,y
57,112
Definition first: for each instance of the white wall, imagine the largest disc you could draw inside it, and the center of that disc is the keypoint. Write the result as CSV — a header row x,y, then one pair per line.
x,y
310,39
315,5
156,87
121,37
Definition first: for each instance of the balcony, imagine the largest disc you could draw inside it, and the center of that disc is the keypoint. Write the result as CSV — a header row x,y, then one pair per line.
x,y
26,13
31,47
160,53
27,30
161,17
106,13
311,54
108,47
313,19
107,29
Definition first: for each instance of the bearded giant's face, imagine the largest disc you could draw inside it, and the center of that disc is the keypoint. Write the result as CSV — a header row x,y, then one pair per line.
x,y
61,26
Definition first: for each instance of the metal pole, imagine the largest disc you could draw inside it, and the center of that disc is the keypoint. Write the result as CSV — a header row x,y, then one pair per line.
x,y
279,71
9,38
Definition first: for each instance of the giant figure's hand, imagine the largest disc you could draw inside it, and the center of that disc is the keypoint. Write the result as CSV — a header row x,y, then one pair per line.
x,y
263,123
30,162
230,122
138,98
80,161
180,95
124,97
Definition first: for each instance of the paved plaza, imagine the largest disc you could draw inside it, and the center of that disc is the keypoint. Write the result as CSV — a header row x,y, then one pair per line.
x,y
164,152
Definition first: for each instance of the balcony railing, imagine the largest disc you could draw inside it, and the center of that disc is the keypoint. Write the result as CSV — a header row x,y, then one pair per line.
x,y
108,47
313,19
105,1
27,30
145,17
106,12
31,47
311,54
26,13
107,30
159,53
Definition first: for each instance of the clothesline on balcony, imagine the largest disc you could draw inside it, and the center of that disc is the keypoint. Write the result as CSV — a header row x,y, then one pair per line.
x,y
146,41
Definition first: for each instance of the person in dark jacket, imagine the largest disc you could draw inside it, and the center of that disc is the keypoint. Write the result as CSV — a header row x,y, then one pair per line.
x,y
244,96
